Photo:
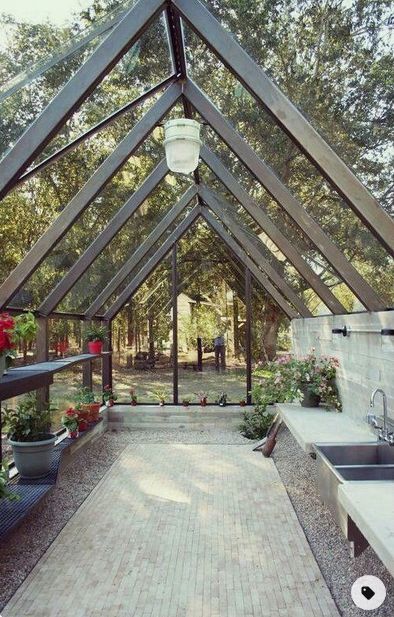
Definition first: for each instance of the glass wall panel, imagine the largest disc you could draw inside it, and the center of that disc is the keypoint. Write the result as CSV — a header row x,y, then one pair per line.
x,y
210,310
142,342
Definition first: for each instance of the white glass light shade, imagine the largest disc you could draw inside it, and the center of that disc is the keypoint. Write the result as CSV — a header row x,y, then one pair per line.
x,y
182,143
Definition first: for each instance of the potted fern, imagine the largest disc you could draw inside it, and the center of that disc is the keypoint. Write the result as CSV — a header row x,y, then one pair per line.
x,y
95,337
28,432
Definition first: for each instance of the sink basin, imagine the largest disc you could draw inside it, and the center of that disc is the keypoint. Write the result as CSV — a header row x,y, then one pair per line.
x,y
379,453
365,472
338,463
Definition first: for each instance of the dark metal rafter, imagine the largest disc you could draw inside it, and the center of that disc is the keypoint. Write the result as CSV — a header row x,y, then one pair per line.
x,y
120,219
149,267
72,95
95,129
283,196
88,193
131,265
220,208
261,278
262,219
292,121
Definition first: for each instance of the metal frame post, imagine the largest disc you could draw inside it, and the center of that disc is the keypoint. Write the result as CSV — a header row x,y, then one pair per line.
x,y
175,321
42,355
248,334
106,366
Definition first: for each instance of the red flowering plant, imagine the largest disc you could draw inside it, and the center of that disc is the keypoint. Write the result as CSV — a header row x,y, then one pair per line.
x,y
7,325
70,419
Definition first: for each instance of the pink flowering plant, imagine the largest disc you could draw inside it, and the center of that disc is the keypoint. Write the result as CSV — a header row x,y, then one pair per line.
x,y
285,379
317,375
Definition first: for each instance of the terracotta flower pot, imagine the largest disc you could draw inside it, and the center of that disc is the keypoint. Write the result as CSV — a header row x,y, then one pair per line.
x,y
94,412
95,346
84,412
72,434
242,403
133,403
82,425
203,402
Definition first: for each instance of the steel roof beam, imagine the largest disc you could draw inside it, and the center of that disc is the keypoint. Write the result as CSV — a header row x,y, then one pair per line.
x,y
88,193
282,195
290,119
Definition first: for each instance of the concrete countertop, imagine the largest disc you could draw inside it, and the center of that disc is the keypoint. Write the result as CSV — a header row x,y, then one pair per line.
x,y
311,425
371,506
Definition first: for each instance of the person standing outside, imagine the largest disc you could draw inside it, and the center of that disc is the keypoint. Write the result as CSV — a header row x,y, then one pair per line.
x,y
220,352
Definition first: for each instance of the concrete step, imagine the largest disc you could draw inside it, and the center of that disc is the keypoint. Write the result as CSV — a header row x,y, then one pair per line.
x,y
156,417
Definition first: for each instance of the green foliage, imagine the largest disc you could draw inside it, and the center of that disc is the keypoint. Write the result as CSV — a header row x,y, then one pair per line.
x,y
26,328
203,323
161,394
84,396
27,422
256,423
95,332
5,493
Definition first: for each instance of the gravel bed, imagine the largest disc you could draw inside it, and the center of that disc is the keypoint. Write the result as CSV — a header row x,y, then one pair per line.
x,y
298,473
20,552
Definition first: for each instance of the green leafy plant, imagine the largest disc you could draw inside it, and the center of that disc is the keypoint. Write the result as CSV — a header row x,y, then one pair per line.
x,y
317,375
26,328
84,396
70,419
95,333
27,422
5,493
186,402
109,394
256,423
160,394
133,395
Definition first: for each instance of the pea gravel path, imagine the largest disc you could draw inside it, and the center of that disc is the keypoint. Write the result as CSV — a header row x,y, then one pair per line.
x,y
180,530
298,473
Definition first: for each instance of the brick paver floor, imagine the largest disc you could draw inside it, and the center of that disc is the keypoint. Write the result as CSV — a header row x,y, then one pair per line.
x,y
180,531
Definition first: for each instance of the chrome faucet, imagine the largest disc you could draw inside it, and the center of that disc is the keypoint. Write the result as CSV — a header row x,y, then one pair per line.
x,y
383,433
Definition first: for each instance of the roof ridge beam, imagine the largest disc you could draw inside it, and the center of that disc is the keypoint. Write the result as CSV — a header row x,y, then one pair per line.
x,y
88,193
219,206
273,232
290,119
283,196
134,260
76,90
122,216
148,268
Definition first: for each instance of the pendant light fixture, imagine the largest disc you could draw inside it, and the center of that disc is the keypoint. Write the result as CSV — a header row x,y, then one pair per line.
x,y
182,144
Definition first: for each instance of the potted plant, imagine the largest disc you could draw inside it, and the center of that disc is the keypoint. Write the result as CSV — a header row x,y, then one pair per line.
x,y
242,402
95,336
186,402
28,431
70,422
315,379
109,397
222,401
133,397
7,324
25,331
87,407
5,492
202,397
161,394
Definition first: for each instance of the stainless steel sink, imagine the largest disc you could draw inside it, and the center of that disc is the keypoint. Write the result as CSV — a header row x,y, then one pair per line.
x,y
338,463
379,453
365,472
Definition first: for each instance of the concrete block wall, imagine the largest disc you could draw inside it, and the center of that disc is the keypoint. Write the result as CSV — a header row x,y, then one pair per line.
x,y
366,359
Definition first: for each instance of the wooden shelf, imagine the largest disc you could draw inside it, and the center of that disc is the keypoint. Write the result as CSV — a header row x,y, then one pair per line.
x,y
27,378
